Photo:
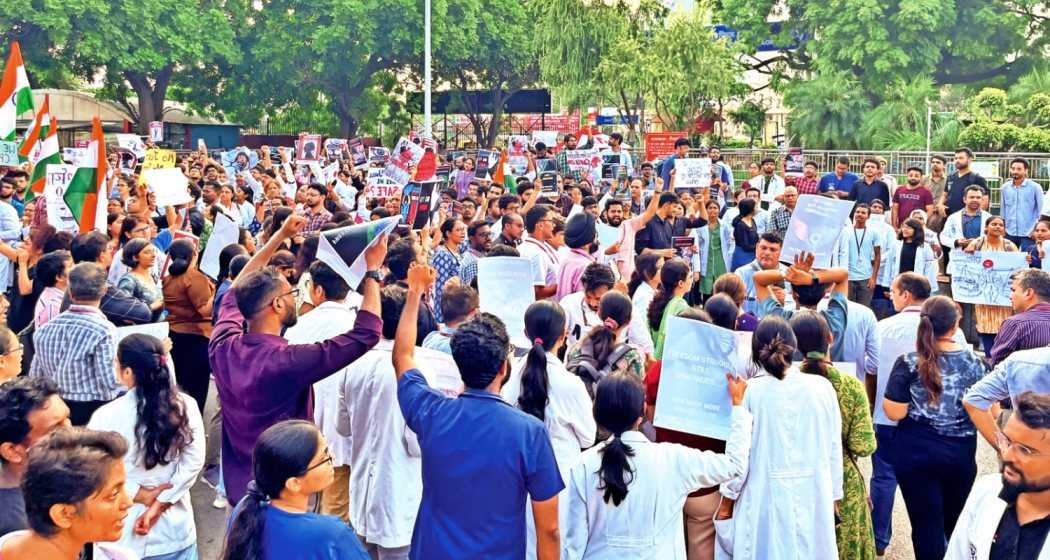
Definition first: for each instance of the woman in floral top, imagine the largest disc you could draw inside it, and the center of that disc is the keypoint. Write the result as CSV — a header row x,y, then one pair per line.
x,y
854,534
140,282
448,257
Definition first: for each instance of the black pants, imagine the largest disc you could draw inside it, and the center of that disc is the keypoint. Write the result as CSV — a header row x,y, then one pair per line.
x,y
192,370
80,411
935,474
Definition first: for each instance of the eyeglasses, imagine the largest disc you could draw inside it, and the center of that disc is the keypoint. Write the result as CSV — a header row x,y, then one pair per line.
x,y
327,459
14,350
1026,452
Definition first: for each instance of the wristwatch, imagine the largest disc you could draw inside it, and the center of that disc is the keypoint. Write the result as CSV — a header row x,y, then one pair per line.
x,y
374,275
816,279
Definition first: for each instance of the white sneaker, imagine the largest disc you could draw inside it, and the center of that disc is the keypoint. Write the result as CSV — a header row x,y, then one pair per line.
x,y
220,502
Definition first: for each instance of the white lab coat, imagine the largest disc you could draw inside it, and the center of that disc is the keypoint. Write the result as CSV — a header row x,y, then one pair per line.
x,y
386,476
877,223
639,333
702,238
785,503
569,420
328,320
175,530
648,523
925,262
975,530
953,231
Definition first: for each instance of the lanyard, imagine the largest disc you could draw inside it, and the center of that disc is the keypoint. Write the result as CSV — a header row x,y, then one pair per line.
x,y
544,247
862,238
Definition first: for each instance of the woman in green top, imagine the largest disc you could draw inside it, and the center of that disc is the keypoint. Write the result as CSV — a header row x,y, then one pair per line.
x,y
675,282
854,535
716,262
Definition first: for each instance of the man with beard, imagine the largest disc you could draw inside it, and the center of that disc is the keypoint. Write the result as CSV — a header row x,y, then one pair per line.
x,y
955,189
726,175
913,196
562,158
260,378
479,238
1008,516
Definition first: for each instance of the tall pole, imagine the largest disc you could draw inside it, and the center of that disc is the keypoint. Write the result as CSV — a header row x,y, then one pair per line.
x,y
427,118
929,131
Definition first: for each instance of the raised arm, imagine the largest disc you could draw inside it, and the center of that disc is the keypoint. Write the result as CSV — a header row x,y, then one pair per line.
x,y
291,227
420,278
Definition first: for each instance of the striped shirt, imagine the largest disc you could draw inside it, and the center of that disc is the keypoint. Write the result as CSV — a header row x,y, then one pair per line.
x,y
1030,329
77,350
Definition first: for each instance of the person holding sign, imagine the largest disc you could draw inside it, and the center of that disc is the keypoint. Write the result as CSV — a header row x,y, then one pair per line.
x,y
795,466
990,317
854,533
627,494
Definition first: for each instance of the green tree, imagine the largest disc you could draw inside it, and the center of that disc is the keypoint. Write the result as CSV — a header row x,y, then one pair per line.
x,y
826,112
751,117
877,41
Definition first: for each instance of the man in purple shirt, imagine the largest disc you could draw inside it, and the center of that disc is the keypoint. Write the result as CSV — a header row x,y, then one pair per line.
x,y
260,378
1030,326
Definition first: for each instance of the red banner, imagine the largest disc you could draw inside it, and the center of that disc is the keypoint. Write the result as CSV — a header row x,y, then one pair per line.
x,y
661,144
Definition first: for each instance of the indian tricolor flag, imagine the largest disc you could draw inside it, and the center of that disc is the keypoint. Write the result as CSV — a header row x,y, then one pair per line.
x,y
86,193
15,96
40,148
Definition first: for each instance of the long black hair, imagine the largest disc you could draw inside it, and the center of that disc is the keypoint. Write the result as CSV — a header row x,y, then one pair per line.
x,y
162,428
619,402
181,254
283,451
645,268
811,335
544,325
936,319
920,232
614,309
225,257
772,346
723,311
673,272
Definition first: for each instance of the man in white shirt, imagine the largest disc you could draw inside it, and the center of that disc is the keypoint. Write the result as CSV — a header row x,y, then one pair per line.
x,y
334,313
581,308
897,335
771,184
539,222
616,147
386,480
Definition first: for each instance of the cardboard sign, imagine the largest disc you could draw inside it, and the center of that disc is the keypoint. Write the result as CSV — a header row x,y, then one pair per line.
x,y
156,131
358,154
694,173
56,180
984,276
158,159
495,275
815,227
169,186
607,235
694,397
132,143
659,145
378,156
308,148
405,156
8,153
417,204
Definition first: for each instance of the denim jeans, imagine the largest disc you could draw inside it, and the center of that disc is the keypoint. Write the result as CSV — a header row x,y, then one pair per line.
x,y
883,486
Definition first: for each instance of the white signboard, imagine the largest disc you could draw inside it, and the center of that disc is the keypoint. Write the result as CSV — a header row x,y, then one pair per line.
x,y
495,275
226,232
169,186
8,153
984,276
693,173
56,181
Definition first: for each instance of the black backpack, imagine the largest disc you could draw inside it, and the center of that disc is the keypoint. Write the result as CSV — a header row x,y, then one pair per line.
x,y
587,368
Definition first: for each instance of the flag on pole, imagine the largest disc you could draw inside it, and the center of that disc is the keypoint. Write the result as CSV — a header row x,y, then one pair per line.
x,y
15,96
40,148
343,249
498,174
86,194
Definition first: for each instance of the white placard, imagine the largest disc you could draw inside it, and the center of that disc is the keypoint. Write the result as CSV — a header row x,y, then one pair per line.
x,y
495,276
226,232
692,173
1046,258
156,131
169,186
133,143
548,137
984,276
56,181
8,153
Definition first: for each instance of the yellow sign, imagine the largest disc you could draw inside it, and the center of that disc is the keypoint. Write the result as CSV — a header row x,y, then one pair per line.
x,y
159,159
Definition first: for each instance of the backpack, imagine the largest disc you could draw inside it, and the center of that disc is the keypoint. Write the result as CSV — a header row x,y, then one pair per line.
x,y
587,368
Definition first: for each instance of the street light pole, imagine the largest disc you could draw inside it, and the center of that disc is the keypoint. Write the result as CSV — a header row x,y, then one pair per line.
x,y
427,118
929,132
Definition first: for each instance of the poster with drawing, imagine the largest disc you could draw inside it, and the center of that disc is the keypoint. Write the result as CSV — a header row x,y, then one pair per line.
x,y
692,173
404,157
308,148
815,227
518,154
358,154
984,276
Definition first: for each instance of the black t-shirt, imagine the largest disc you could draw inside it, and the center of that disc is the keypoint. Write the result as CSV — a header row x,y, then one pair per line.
x,y
956,189
1013,541
908,257
12,510
862,192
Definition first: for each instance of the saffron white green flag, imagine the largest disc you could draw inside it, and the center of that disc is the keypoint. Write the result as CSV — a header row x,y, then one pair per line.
x,y
15,96
40,148
86,194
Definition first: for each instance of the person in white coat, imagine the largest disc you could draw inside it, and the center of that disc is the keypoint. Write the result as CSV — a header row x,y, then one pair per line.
x,y
541,386
705,262
334,313
967,224
911,250
795,464
165,436
1005,516
625,495
386,477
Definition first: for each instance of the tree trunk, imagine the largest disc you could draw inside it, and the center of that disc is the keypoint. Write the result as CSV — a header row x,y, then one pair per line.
x,y
150,96
347,126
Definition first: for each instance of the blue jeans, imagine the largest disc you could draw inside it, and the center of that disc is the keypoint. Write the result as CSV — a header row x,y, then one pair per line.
x,y
188,553
883,486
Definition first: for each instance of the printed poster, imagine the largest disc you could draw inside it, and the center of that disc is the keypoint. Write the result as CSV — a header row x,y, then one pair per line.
x,y
815,227
132,143
417,204
402,160
794,163
156,131
379,186
486,162
692,173
8,153
583,161
378,155
56,181
358,154
334,148
518,154
694,395
308,148
984,276
495,274
549,138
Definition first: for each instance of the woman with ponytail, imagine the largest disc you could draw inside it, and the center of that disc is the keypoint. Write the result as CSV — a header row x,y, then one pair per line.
x,y
165,436
188,297
626,495
273,521
854,534
796,460
933,450
668,301
603,346
540,386
641,289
